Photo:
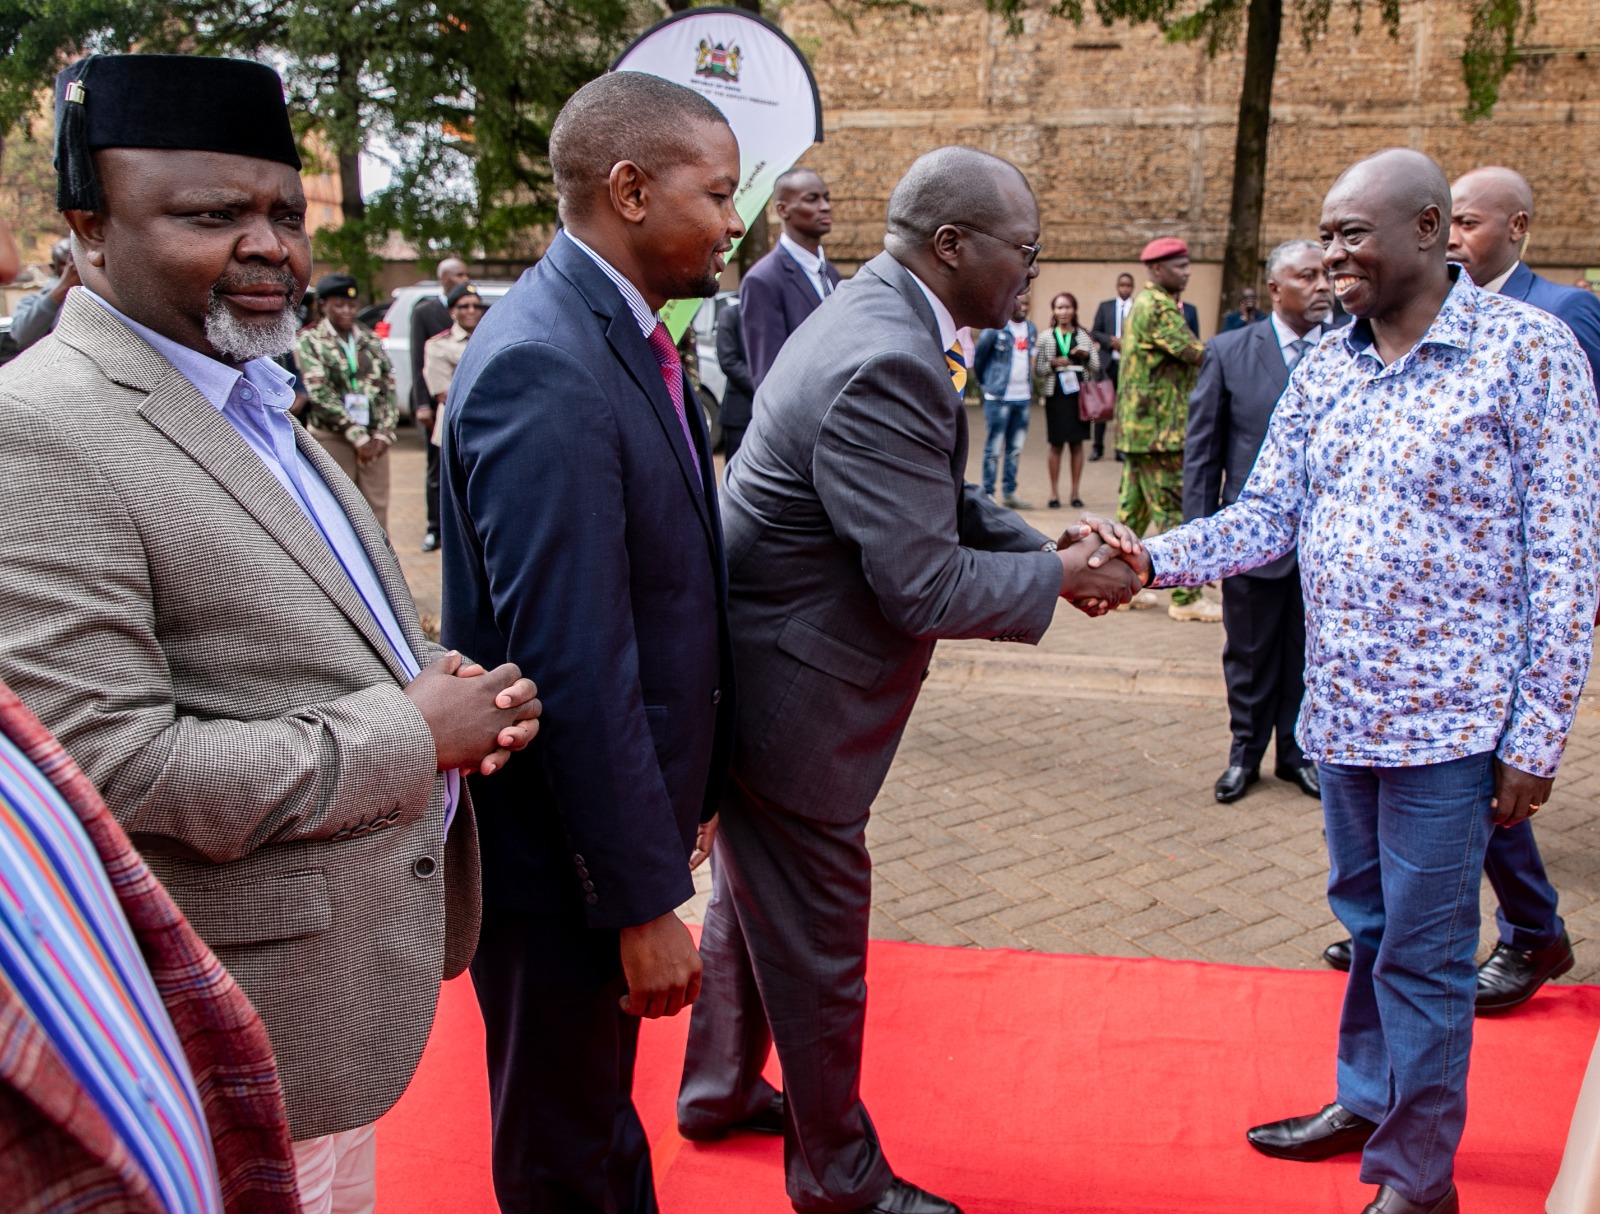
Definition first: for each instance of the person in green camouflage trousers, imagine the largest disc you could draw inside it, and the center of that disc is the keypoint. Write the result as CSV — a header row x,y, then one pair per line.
x,y
353,410
1161,359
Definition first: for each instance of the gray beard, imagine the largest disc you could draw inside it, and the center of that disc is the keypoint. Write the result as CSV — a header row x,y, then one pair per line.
x,y
243,340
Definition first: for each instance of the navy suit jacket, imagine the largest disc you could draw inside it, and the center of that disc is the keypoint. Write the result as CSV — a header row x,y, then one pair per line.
x,y
739,394
582,542
1579,309
1240,383
774,298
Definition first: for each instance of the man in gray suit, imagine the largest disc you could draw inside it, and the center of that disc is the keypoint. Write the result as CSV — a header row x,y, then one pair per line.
x,y
853,546
1263,612
203,610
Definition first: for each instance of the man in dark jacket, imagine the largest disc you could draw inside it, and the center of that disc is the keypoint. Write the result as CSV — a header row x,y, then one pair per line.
x,y
739,394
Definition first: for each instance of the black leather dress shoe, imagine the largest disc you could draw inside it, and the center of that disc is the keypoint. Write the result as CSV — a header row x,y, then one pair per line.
x,y
768,1121
1303,777
1232,783
1097,453
1388,1201
430,541
1509,978
1337,955
1334,1131
903,1197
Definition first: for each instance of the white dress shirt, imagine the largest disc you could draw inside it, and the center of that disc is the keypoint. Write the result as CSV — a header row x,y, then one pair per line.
x,y
812,263
1287,337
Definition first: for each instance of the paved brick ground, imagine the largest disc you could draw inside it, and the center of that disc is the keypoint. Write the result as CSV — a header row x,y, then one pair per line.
x,y
1059,798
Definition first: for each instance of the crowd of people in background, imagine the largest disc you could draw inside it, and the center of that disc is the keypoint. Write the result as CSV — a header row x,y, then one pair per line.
x,y
346,822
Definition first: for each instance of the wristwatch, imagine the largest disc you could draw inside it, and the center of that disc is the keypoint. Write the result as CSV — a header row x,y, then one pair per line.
x,y
1049,546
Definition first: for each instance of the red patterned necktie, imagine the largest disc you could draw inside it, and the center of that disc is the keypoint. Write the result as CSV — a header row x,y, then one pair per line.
x,y
661,345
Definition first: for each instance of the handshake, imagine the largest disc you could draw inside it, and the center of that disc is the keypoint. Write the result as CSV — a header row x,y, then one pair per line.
x,y
1103,565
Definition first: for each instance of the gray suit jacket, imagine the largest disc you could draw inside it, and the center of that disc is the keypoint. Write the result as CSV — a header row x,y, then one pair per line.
x,y
1240,383
184,629
854,544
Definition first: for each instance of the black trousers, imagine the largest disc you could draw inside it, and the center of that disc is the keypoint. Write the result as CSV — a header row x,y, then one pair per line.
x,y
732,436
1264,662
431,485
566,1138
785,954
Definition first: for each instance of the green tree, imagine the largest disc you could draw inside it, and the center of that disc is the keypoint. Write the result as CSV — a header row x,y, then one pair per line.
x,y
461,93
1490,54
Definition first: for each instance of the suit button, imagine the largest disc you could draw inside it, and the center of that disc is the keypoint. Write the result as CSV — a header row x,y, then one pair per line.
x,y
578,860
588,887
591,899
716,696
583,873
424,868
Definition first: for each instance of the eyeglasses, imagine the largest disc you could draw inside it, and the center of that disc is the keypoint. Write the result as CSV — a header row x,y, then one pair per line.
x,y
1032,250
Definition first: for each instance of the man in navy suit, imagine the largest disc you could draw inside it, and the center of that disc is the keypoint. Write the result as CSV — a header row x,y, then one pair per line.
x,y
786,285
581,532
1263,611
1491,210
738,395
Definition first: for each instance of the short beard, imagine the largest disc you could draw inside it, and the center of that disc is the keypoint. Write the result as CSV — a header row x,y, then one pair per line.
x,y
244,340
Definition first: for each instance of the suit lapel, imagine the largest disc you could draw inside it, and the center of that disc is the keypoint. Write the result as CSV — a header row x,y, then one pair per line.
x,y
633,352
1520,284
178,410
1271,355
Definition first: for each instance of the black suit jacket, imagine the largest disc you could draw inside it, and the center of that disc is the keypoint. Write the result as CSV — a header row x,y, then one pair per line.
x,y
429,318
1240,383
740,392
775,297
582,541
1191,316
855,543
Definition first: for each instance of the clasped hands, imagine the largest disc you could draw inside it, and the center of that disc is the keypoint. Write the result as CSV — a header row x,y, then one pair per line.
x,y
1103,565
477,717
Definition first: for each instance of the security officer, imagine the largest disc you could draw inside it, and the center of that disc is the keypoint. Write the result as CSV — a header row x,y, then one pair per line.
x,y
353,410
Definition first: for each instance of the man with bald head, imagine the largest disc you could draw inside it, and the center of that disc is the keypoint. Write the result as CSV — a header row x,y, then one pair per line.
x,y
786,285
854,546
430,316
1434,461
582,533
1490,218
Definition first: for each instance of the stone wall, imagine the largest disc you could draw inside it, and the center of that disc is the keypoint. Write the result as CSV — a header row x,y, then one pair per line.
x,y
1125,136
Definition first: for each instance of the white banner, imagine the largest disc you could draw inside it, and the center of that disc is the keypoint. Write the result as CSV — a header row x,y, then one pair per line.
x,y
748,69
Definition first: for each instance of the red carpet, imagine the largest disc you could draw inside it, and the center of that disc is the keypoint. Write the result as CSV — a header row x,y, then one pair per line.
x,y
1021,1083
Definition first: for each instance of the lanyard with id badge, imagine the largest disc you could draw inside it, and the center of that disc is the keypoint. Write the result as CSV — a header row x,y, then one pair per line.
x,y
1067,376
355,403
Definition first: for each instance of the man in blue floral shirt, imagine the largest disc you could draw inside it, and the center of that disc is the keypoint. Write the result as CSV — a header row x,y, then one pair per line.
x,y
1435,462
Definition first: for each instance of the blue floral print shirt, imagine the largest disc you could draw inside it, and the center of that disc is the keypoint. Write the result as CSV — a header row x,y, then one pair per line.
x,y
1446,508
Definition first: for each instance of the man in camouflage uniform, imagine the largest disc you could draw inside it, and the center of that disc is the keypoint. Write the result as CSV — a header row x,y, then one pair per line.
x,y
352,410
1161,359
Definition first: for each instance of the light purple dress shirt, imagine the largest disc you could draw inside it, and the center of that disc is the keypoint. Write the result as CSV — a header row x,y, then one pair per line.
x,y
255,401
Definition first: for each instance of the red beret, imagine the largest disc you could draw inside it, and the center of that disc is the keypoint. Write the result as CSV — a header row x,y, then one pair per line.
x,y
1165,247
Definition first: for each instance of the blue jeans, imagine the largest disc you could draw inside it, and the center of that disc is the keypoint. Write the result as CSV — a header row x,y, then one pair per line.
x,y
1406,848
1008,429
1527,911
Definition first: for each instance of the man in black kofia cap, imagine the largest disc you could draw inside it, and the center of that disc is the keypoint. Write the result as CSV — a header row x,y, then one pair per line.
x,y
200,606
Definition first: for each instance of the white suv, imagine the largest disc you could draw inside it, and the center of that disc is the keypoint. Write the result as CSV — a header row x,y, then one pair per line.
x,y
394,330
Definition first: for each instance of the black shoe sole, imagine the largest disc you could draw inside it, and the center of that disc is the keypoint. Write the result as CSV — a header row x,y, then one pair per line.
x,y
1298,1155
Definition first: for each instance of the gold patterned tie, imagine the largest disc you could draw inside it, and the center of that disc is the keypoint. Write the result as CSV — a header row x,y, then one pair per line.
x,y
958,368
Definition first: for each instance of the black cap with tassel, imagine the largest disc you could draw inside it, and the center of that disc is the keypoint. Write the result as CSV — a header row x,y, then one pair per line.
x,y
164,101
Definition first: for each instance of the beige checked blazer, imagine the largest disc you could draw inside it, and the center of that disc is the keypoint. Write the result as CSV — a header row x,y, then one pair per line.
x,y
183,628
